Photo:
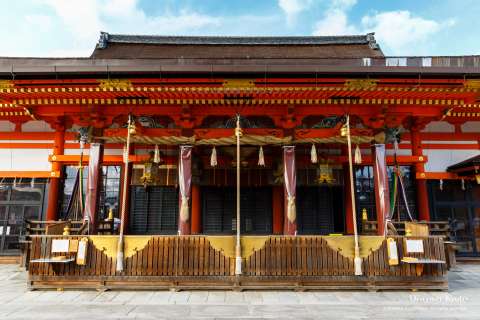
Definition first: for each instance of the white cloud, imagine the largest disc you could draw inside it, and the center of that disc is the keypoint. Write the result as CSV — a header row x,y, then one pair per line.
x,y
335,22
402,32
292,8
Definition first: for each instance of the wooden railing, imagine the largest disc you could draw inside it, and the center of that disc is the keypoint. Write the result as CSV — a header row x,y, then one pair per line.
x,y
191,261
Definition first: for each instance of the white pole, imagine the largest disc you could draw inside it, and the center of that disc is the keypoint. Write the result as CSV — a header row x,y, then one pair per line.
x,y
120,245
238,248
357,260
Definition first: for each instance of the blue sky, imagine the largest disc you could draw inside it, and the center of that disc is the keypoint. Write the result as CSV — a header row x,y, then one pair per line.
x,y
402,27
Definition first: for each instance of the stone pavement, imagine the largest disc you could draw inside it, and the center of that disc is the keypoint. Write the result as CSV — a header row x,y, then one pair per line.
x,y
461,302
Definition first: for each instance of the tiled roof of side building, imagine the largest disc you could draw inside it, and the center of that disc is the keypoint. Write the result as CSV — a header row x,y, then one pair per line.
x,y
106,38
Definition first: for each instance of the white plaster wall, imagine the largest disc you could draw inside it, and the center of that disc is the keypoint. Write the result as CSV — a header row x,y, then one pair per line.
x,y
6,126
471,126
439,160
24,159
113,152
439,126
36,126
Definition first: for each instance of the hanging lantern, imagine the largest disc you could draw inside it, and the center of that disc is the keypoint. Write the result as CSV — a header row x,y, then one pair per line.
x,y
156,156
213,158
313,154
440,185
478,178
358,155
261,158
326,173
463,184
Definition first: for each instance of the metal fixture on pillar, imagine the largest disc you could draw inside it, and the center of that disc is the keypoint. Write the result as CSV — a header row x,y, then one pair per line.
x,y
131,130
345,131
238,247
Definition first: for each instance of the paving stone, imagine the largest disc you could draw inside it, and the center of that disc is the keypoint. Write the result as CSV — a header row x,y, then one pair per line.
x,y
461,302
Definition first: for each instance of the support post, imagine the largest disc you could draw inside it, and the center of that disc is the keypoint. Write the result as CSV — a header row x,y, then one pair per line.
x,y
185,183
93,185
290,183
54,185
196,210
348,201
277,208
380,178
420,184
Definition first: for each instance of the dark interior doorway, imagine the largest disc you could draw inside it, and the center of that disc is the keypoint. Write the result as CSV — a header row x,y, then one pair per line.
x,y
320,210
219,210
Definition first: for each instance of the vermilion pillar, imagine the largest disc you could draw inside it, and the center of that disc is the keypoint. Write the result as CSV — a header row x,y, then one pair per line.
x,y
380,178
290,183
277,208
128,188
94,184
421,184
54,185
348,200
196,210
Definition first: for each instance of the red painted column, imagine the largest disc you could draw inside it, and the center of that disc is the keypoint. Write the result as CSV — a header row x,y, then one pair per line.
x,y
277,209
348,200
421,184
196,210
94,183
54,185
290,184
380,178
347,195
127,200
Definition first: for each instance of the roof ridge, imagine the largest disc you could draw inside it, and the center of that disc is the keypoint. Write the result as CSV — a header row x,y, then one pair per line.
x,y
106,38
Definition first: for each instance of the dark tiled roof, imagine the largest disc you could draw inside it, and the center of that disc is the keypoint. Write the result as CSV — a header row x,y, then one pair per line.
x,y
465,163
234,49
106,38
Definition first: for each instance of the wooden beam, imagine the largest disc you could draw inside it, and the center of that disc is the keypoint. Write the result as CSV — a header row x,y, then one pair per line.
x,y
30,174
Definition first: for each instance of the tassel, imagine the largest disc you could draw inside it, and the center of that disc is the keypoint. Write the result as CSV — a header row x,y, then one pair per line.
x,y
213,158
291,209
313,154
156,155
261,158
358,155
184,210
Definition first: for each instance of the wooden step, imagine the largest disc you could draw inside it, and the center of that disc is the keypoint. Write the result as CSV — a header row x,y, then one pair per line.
x,y
10,259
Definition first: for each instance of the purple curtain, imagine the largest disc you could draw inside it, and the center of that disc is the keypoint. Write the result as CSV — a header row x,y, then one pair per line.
x,y
380,177
290,182
94,174
185,183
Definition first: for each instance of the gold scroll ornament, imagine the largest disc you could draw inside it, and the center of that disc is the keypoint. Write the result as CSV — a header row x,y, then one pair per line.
x,y
108,244
226,244
345,245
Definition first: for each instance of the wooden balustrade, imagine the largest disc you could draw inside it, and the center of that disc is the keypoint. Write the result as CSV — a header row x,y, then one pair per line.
x,y
192,262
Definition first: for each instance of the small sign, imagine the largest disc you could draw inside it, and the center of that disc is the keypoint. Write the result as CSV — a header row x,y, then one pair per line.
x,y
414,246
60,245
392,252
82,251
8,230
